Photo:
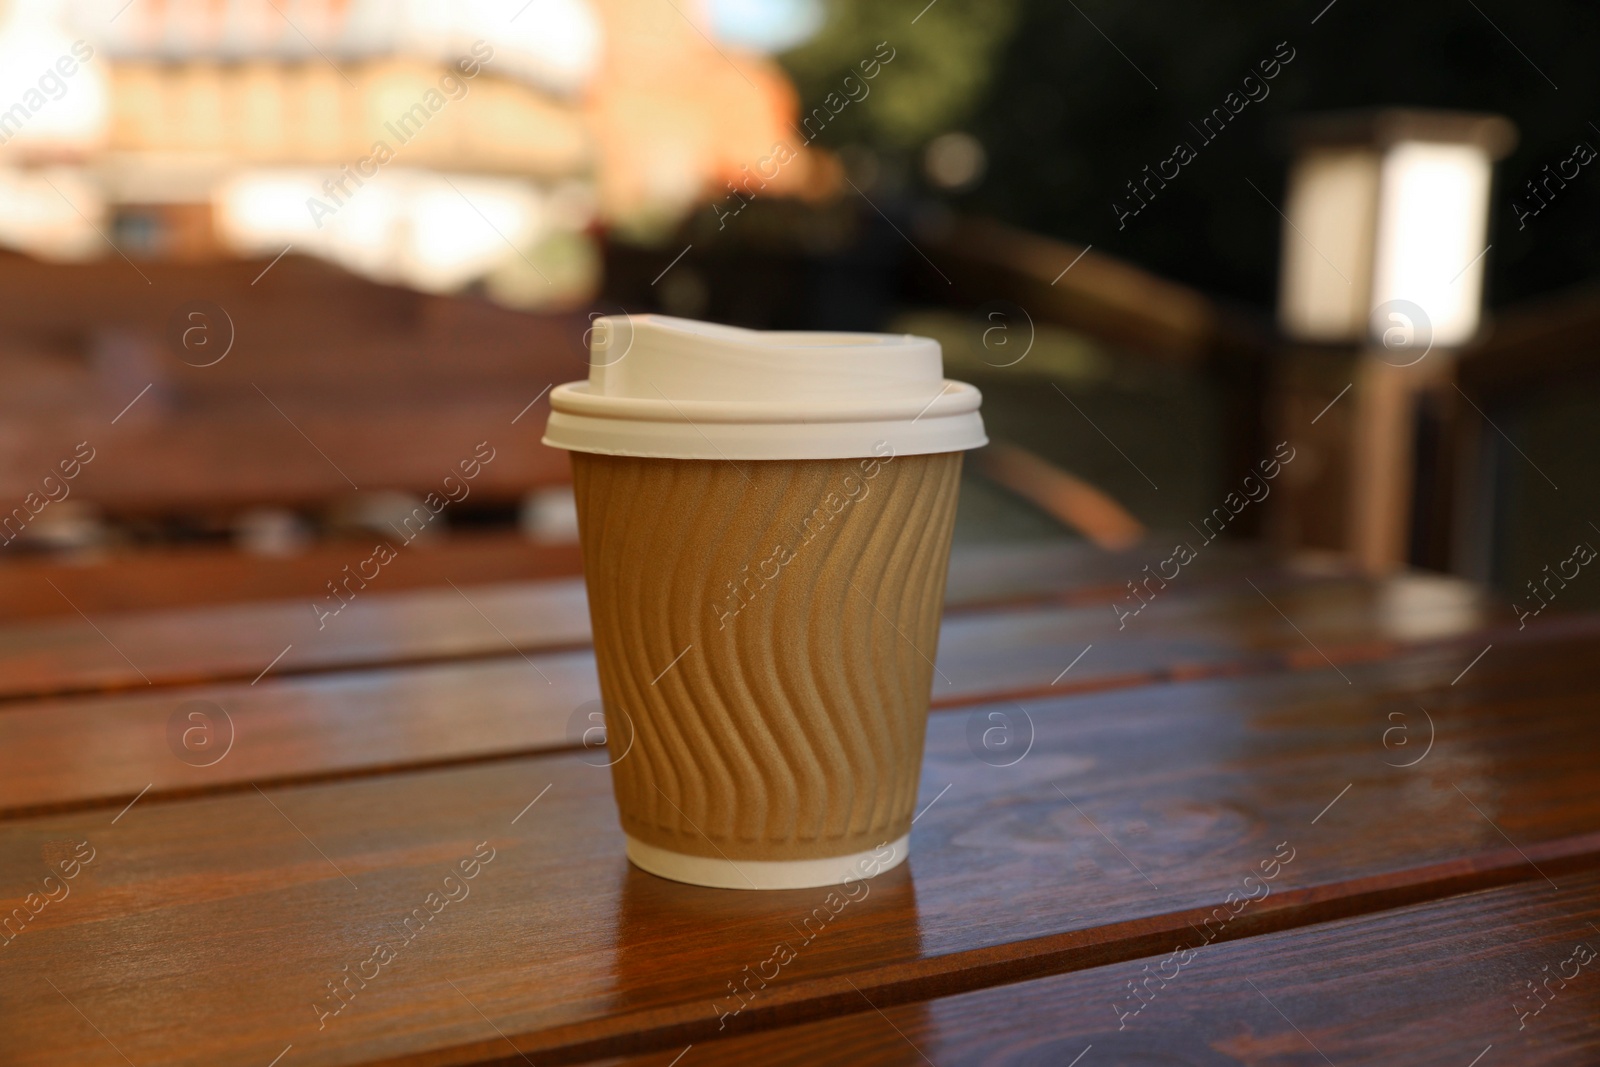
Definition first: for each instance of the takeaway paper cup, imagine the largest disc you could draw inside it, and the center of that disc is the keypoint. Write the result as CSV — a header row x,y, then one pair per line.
x,y
766,520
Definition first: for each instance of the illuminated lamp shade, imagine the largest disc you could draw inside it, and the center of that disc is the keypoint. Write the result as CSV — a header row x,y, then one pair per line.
x,y
1433,215
1386,210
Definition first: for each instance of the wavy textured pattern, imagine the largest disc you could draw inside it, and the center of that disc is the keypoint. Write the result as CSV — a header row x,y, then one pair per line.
x,y
808,595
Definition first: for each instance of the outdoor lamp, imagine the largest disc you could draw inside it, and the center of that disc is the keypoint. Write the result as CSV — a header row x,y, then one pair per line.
x,y
1387,216
1385,230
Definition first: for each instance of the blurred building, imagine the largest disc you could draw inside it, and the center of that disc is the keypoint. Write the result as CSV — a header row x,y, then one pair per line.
x,y
435,143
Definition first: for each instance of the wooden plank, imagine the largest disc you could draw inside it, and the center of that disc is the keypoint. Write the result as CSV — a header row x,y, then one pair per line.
x,y
168,578
309,728
79,655
187,646
1104,296
1444,982
305,324
1227,627
327,724
1077,572
225,457
238,907
1534,343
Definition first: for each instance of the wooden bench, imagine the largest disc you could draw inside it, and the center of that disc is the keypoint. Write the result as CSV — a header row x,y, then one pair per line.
x,y
331,383
330,386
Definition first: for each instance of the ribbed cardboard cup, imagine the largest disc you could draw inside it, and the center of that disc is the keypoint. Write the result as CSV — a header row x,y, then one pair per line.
x,y
765,626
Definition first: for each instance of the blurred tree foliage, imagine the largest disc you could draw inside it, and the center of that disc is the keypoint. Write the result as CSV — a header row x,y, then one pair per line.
x,y
1070,109
941,68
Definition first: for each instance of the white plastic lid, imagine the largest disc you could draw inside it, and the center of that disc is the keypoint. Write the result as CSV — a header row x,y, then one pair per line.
x,y
679,389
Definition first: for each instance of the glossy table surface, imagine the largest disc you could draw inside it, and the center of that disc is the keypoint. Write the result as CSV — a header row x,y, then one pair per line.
x,y
1285,815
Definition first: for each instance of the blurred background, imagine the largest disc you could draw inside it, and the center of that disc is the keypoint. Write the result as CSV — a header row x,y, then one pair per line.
x,y
273,269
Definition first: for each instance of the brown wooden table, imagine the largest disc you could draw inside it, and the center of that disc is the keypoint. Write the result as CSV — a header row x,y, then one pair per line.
x,y
1286,816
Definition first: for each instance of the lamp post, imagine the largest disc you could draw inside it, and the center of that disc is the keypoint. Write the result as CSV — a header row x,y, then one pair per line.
x,y
1381,283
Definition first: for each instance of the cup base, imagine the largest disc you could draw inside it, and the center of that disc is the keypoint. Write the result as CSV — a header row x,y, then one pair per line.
x,y
718,873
